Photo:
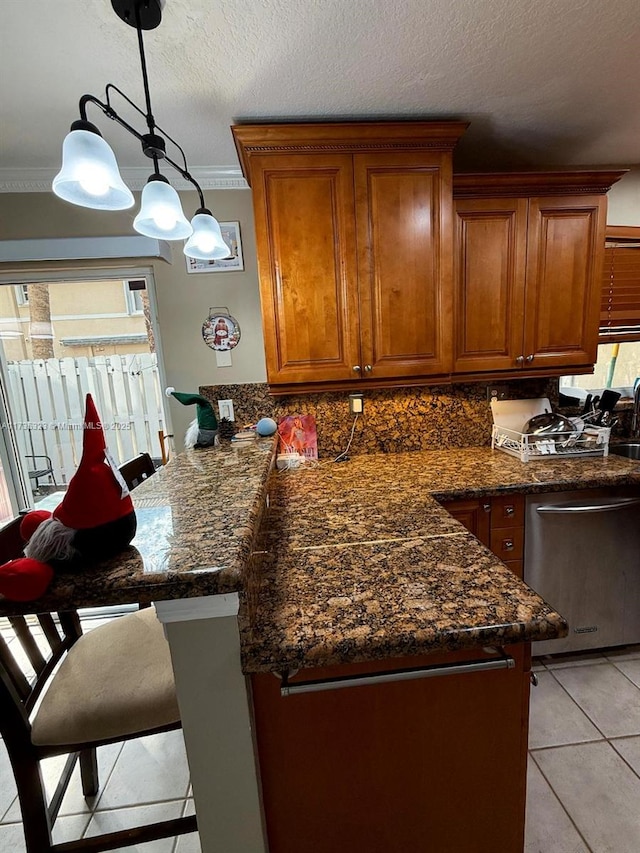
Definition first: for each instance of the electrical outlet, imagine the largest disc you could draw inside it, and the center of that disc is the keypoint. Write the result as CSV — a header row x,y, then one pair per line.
x,y
497,392
356,404
225,408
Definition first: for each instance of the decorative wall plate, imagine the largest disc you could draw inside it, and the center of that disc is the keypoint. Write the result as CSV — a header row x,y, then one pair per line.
x,y
220,330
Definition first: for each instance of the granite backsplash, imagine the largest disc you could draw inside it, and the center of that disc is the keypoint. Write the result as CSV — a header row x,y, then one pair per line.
x,y
394,420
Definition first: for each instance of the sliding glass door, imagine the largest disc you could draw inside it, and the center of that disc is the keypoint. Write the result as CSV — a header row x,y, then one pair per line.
x,y
63,335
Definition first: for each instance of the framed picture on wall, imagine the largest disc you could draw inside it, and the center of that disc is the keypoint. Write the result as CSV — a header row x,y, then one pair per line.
x,y
234,263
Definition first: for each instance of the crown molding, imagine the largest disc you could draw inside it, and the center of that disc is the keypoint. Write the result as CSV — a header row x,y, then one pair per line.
x,y
210,178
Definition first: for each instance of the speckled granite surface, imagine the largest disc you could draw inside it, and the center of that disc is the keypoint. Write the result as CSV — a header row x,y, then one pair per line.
x,y
396,419
196,523
334,605
363,563
359,560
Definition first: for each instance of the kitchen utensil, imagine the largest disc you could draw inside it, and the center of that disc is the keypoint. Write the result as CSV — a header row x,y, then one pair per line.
x,y
608,400
605,405
587,404
549,424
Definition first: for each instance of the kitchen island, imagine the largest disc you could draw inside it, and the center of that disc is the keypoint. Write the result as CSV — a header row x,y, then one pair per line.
x,y
355,566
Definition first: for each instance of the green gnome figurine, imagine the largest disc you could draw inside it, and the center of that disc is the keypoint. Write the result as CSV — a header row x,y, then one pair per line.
x,y
203,430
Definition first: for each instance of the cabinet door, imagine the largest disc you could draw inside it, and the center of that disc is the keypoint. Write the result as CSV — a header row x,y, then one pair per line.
x,y
307,266
403,217
564,264
475,515
435,764
489,277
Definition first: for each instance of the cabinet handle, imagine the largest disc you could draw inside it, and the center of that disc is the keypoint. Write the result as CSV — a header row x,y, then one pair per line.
x,y
510,511
368,368
356,368
533,678
529,358
520,360
486,507
507,544
289,689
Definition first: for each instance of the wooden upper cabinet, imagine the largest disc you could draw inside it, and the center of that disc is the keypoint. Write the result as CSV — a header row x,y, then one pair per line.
x,y
490,269
306,243
564,269
354,241
528,257
404,263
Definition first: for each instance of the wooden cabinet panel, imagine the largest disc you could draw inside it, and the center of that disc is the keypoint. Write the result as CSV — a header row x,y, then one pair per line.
x,y
306,252
489,276
507,511
498,523
404,263
566,251
385,767
528,256
508,543
475,515
354,249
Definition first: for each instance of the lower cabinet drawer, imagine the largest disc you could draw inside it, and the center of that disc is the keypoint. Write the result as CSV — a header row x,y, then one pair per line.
x,y
508,543
507,511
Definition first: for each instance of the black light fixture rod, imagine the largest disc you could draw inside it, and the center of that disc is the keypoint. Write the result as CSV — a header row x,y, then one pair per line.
x,y
144,115
108,111
145,80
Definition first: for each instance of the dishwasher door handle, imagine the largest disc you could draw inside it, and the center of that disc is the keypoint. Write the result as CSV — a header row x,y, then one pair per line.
x,y
609,506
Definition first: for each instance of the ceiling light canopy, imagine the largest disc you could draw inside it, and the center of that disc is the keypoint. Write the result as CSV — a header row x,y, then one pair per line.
x,y
89,176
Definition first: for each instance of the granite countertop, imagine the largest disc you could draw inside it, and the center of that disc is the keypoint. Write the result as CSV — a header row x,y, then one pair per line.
x,y
362,562
196,518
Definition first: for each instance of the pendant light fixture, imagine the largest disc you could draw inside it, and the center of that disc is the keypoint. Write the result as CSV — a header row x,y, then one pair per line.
x,y
89,176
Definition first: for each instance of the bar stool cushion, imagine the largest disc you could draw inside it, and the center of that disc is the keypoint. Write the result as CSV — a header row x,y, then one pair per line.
x,y
115,680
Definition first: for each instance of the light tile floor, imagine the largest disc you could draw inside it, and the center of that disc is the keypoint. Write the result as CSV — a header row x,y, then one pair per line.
x,y
583,776
584,759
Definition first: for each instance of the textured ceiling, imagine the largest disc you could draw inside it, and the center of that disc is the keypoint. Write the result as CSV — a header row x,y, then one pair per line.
x,y
551,82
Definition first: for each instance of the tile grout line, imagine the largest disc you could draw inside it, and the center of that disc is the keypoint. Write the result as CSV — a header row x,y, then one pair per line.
x,y
562,805
584,711
577,704
619,754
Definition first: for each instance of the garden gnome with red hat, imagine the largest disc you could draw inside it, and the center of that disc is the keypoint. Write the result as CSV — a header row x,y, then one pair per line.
x,y
95,521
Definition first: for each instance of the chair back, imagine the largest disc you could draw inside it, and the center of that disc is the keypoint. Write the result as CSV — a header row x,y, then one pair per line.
x,y
138,469
29,650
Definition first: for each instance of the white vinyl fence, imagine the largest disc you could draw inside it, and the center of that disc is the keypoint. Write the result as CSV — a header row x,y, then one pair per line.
x,y
48,402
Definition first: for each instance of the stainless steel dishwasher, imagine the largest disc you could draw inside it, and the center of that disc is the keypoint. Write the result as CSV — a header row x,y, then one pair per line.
x,y
582,555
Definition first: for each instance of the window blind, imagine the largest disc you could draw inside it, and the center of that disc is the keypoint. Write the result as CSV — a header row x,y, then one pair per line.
x,y
620,299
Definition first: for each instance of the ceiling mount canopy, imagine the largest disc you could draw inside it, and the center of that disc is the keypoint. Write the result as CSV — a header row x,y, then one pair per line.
x,y
90,177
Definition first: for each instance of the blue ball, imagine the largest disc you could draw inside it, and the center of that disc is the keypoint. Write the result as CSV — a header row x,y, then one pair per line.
x,y
266,426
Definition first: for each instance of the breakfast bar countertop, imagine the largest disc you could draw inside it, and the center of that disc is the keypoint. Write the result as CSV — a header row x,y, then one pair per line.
x,y
196,520
361,562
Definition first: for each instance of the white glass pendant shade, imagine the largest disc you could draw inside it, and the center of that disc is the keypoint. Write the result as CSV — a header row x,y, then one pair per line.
x,y
89,176
161,213
206,242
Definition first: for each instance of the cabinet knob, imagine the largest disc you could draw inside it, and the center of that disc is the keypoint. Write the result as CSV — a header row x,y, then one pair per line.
x,y
507,544
520,360
510,511
368,368
486,507
529,358
356,368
